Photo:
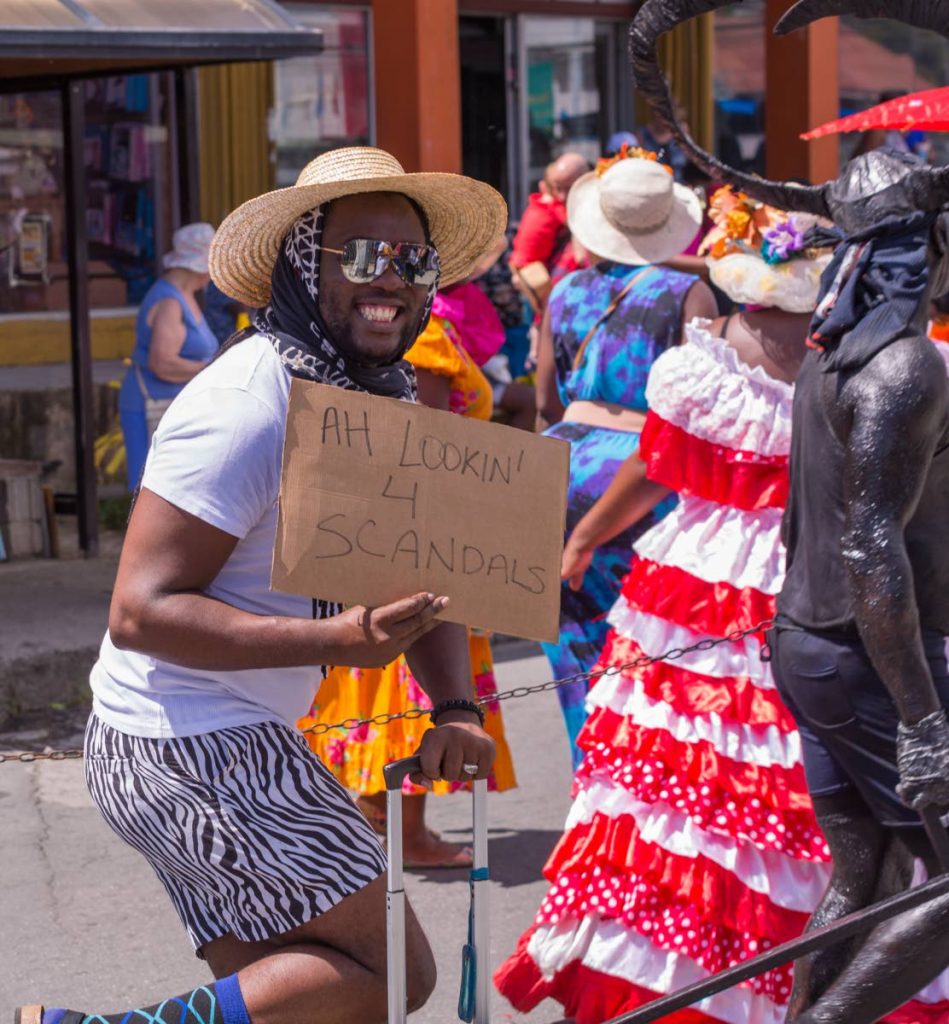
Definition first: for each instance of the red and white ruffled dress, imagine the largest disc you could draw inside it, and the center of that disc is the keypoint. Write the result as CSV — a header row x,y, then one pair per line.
x,y
691,843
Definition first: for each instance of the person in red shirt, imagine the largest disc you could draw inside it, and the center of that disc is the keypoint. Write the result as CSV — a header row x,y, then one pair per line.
x,y
541,252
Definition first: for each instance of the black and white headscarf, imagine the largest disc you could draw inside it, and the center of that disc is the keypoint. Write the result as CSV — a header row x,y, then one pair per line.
x,y
294,326
293,323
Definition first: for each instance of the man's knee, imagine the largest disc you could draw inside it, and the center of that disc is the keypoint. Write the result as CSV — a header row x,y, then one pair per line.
x,y
420,969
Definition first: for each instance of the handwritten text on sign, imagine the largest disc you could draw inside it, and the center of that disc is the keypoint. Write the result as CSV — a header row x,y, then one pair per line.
x,y
381,499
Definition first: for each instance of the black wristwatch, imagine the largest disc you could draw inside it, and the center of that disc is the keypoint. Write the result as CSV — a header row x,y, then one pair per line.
x,y
456,704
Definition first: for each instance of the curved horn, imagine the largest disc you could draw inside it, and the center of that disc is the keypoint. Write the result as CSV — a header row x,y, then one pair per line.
x,y
653,20
931,14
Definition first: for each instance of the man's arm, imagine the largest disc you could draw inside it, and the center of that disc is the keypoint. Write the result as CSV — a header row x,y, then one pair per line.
x,y
160,608
896,404
440,662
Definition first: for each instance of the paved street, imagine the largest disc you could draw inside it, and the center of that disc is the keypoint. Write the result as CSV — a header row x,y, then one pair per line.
x,y
85,924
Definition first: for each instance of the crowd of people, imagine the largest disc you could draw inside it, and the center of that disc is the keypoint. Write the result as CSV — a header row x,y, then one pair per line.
x,y
670,317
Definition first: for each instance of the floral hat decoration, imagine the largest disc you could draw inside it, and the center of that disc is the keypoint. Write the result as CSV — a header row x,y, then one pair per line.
x,y
758,255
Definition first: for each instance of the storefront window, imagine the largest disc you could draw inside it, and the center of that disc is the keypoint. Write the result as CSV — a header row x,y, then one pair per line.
x,y
33,274
131,209
740,85
322,102
128,185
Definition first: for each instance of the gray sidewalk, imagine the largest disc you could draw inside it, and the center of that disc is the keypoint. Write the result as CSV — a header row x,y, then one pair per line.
x,y
53,613
87,925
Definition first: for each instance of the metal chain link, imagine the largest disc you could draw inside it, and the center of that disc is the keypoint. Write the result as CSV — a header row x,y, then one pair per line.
x,y
348,724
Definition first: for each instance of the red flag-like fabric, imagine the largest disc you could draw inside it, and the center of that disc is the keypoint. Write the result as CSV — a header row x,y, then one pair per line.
x,y
928,111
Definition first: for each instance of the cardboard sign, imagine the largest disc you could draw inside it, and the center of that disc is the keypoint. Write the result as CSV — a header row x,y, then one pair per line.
x,y
381,499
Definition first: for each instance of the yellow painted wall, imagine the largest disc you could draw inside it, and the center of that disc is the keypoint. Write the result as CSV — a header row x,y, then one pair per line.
x,y
32,341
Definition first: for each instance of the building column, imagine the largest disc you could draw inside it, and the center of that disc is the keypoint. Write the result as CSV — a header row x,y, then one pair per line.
x,y
418,82
801,92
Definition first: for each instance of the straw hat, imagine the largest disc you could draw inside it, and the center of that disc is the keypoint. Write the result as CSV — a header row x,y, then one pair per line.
x,y
633,212
464,217
190,246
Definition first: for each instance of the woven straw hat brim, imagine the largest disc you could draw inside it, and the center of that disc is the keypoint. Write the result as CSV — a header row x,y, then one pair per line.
x,y
465,217
594,232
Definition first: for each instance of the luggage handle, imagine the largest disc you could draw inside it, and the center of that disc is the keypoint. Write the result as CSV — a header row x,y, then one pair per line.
x,y
398,771
476,952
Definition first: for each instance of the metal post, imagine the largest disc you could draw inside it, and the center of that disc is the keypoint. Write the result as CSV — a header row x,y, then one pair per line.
x,y
395,774
80,327
479,887
186,138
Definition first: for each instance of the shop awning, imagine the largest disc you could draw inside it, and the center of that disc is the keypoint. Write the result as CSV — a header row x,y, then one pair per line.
x,y
69,38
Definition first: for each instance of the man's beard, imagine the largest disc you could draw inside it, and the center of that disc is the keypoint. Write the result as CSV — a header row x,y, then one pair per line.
x,y
341,335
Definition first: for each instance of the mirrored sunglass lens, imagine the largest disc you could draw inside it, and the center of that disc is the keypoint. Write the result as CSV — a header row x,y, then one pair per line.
x,y
359,261
365,259
417,264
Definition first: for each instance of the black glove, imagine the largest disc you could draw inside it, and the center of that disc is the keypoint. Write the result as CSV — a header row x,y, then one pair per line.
x,y
922,756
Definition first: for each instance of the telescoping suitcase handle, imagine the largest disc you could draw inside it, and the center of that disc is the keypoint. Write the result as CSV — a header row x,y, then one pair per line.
x,y
473,1001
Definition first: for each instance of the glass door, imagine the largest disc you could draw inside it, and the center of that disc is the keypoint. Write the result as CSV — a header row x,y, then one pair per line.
x,y
574,91
484,100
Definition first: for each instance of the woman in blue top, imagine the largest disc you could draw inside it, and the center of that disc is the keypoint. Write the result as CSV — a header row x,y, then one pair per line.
x,y
603,329
172,343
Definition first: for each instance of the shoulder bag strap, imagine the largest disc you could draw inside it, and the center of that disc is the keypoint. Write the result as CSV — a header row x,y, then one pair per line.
x,y
607,313
141,381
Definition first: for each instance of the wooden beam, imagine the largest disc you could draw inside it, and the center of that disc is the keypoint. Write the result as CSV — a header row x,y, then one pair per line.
x,y
77,256
418,82
801,92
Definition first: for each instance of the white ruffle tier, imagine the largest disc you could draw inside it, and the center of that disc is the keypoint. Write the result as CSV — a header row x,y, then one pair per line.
x,y
705,389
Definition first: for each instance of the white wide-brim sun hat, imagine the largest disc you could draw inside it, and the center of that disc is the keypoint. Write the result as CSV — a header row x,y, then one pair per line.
x,y
191,245
465,217
634,212
747,279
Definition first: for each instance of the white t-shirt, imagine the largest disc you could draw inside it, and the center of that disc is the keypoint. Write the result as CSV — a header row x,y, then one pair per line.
x,y
217,455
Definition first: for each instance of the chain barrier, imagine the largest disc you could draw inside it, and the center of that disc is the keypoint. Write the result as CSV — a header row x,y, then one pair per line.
x,y
348,724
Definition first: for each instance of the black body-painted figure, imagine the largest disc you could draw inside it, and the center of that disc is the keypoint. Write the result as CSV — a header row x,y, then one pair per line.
x,y
859,648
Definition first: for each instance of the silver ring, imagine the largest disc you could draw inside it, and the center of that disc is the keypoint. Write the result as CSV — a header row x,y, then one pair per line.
x,y
470,769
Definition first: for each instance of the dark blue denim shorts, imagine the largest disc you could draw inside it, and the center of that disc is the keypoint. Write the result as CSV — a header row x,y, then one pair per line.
x,y
846,716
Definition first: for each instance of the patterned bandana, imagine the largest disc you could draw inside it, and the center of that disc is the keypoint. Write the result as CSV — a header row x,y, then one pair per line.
x,y
293,323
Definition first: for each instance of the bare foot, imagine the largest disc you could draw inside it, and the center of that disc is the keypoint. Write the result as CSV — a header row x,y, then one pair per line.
x,y
429,850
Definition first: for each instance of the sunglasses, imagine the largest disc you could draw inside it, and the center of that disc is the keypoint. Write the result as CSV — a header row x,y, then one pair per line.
x,y
364,259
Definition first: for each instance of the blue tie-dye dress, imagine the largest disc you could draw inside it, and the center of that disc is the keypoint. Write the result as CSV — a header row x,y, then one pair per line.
x,y
614,368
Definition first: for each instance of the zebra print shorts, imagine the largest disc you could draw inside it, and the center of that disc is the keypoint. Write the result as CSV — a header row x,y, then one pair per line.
x,y
248,831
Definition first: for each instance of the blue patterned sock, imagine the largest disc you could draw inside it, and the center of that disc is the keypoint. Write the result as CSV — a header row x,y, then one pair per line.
x,y
218,1003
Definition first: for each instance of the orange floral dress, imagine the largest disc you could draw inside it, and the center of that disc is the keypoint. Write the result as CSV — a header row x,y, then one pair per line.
x,y
357,757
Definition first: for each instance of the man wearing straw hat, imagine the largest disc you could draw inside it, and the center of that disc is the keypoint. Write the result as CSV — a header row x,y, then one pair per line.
x,y
191,754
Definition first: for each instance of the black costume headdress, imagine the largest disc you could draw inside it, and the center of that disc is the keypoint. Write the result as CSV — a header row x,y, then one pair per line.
x,y
885,203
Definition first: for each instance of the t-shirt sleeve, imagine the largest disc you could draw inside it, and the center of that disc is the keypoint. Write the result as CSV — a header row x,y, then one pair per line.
x,y
217,454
